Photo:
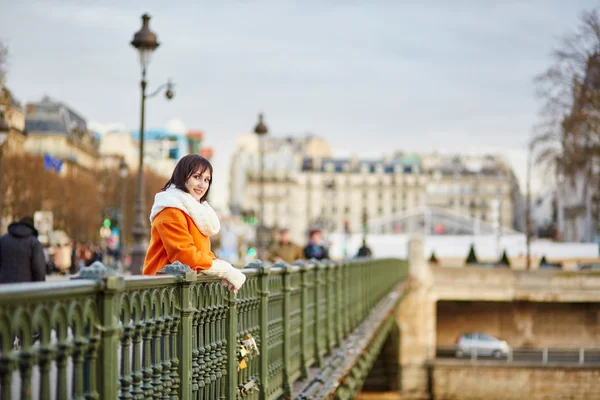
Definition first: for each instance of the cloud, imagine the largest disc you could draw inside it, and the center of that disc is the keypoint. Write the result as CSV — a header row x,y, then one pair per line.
x,y
176,125
102,128
83,14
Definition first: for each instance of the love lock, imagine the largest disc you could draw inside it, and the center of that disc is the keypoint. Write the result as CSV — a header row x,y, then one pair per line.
x,y
250,344
242,353
248,387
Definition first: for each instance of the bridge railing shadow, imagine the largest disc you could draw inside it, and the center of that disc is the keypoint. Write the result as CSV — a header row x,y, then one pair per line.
x,y
181,335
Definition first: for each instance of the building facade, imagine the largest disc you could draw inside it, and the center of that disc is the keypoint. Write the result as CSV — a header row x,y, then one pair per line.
x,y
283,157
350,195
55,129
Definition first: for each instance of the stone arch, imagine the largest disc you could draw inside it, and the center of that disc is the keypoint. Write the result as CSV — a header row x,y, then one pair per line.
x,y
385,374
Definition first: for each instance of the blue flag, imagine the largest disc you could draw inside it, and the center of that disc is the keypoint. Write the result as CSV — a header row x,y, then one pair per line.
x,y
51,163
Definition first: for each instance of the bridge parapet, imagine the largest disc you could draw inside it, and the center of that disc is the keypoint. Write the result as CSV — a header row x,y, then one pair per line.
x,y
504,284
179,336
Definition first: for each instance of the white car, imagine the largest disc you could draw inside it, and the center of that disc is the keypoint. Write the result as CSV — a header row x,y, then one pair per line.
x,y
481,344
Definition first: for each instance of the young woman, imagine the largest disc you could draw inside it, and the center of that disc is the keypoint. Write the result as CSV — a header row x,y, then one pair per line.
x,y
182,222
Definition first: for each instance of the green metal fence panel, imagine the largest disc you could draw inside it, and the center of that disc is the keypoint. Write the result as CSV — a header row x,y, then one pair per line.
x,y
67,311
177,336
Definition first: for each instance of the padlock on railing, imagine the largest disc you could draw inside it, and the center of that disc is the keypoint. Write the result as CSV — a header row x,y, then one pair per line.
x,y
250,344
247,350
248,387
242,354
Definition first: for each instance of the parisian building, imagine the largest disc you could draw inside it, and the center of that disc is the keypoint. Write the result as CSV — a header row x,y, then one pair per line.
x,y
55,129
352,195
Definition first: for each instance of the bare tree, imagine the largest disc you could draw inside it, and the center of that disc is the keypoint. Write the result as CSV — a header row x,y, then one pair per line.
x,y
566,141
3,63
570,95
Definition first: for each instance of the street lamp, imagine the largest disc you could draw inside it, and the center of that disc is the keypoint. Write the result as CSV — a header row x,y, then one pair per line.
x,y
528,228
261,130
3,136
123,171
145,42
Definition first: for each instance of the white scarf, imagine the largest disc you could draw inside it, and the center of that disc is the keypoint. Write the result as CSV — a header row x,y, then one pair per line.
x,y
202,214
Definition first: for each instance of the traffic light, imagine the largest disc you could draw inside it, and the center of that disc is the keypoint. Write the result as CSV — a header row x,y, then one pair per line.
x,y
346,227
365,219
249,217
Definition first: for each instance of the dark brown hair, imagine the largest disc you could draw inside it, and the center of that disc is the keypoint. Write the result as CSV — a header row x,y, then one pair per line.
x,y
185,168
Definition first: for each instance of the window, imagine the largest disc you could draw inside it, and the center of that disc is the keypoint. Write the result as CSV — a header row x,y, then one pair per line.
x,y
380,210
347,210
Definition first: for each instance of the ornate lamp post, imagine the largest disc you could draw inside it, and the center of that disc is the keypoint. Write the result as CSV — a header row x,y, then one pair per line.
x,y
261,130
124,172
145,42
528,222
3,136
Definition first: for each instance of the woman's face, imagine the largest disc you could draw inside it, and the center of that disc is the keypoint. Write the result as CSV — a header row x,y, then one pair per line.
x,y
198,184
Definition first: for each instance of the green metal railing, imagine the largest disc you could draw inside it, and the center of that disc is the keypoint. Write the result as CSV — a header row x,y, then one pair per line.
x,y
177,336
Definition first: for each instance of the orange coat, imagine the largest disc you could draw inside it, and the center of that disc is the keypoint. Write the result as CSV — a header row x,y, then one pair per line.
x,y
175,237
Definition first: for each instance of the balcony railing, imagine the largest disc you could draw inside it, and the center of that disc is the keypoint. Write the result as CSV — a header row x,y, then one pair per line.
x,y
179,336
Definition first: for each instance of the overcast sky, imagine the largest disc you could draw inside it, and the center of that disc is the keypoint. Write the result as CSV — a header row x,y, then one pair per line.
x,y
371,77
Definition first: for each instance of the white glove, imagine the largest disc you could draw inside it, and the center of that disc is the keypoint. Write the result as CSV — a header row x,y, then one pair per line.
x,y
224,270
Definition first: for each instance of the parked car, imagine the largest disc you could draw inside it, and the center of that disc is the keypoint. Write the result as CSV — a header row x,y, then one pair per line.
x,y
481,343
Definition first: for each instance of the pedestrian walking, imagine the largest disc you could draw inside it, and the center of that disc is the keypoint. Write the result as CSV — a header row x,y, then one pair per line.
x,y
284,249
364,250
315,248
21,254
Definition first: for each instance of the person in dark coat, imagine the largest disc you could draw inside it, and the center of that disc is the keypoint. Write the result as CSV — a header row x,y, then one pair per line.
x,y
21,254
364,250
315,248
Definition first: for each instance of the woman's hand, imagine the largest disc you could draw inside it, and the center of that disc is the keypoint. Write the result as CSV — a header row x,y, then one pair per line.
x,y
229,286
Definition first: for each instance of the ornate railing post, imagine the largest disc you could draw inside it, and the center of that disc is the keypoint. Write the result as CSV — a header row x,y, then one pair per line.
x,y
232,345
318,283
346,297
263,291
304,285
107,373
339,295
287,309
184,333
331,305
